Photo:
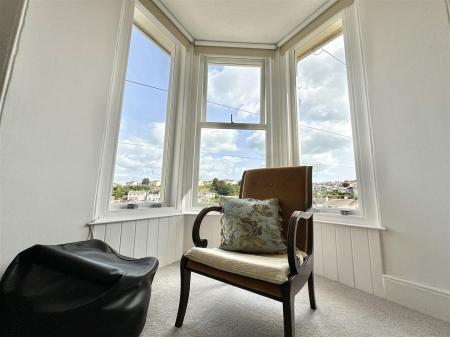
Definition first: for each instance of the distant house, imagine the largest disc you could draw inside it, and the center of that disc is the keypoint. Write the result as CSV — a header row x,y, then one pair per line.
x,y
231,181
204,182
153,197
137,196
206,196
132,183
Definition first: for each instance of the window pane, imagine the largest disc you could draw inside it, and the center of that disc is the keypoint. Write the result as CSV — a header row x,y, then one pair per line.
x,y
234,92
224,156
137,174
325,129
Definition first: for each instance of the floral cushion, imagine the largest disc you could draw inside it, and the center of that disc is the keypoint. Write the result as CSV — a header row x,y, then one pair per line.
x,y
250,225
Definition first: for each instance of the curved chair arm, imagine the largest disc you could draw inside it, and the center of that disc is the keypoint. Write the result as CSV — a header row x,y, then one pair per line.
x,y
198,221
292,238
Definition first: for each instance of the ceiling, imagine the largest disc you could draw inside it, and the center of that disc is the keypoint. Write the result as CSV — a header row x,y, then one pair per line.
x,y
248,21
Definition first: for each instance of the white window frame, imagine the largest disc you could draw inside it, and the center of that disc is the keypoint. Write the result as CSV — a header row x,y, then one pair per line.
x,y
367,215
201,123
171,205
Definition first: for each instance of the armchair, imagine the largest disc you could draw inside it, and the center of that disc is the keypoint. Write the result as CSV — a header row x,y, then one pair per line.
x,y
276,277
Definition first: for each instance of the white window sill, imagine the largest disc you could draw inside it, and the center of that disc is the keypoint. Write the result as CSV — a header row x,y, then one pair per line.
x,y
349,224
347,220
333,219
135,214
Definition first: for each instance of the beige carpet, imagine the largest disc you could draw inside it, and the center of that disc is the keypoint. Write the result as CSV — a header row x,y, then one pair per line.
x,y
219,310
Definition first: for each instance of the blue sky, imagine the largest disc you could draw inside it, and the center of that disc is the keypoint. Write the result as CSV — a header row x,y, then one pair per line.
x,y
325,128
141,136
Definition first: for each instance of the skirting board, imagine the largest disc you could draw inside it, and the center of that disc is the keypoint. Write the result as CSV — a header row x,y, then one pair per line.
x,y
428,300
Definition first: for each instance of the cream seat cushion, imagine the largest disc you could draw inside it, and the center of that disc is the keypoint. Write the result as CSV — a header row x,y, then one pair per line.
x,y
273,268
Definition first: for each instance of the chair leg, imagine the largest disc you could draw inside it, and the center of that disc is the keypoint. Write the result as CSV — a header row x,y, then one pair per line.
x,y
184,292
288,315
312,297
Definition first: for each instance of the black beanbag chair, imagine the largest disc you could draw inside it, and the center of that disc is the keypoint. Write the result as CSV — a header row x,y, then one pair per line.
x,y
81,289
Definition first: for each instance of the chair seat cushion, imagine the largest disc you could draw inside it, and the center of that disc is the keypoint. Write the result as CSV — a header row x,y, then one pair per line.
x,y
273,268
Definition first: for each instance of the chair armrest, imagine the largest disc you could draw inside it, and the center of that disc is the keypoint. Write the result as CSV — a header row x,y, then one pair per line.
x,y
292,238
198,221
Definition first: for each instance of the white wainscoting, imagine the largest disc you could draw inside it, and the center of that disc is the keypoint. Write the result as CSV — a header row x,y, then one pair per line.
x,y
349,255
428,300
158,237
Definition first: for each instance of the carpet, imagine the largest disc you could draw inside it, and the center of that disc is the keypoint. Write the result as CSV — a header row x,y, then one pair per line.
x,y
220,310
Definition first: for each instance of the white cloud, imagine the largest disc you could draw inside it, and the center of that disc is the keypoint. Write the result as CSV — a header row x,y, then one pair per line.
x,y
235,86
139,158
220,167
324,105
219,140
257,141
157,131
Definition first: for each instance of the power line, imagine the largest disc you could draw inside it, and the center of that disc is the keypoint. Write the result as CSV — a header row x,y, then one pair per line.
x,y
212,102
329,165
231,155
210,153
228,106
136,144
147,85
326,131
235,156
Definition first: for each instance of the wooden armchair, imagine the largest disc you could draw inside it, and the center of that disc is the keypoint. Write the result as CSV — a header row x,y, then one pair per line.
x,y
293,187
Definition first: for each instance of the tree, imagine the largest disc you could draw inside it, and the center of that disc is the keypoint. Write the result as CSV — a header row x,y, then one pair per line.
x,y
120,191
145,181
221,187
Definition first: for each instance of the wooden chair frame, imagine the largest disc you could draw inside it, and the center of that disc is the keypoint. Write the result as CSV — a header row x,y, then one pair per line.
x,y
299,275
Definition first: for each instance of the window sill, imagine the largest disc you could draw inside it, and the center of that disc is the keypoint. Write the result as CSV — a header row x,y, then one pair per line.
x,y
348,224
132,215
332,219
347,220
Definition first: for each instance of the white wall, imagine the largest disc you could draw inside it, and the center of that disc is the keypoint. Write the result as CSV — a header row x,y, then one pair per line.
x,y
10,18
53,119
407,57
158,237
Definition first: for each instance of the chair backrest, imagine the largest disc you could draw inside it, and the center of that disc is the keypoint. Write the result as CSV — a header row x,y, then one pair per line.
x,y
292,186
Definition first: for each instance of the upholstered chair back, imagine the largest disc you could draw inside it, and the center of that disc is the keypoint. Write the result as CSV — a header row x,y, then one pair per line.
x,y
292,186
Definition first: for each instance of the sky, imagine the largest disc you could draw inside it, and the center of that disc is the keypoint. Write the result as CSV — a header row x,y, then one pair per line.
x,y
325,132
226,153
142,126
234,90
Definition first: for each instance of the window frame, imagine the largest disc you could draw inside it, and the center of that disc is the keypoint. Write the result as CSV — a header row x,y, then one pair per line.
x,y
154,30
205,60
368,213
166,157
305,52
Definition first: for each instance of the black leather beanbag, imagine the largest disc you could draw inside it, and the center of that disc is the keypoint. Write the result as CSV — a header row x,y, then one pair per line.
x,y
81,289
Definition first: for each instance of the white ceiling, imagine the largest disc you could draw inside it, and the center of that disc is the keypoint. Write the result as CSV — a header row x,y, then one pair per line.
x,y
253,21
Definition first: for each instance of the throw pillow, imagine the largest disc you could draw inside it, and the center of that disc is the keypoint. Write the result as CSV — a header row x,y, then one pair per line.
x,y
250,225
